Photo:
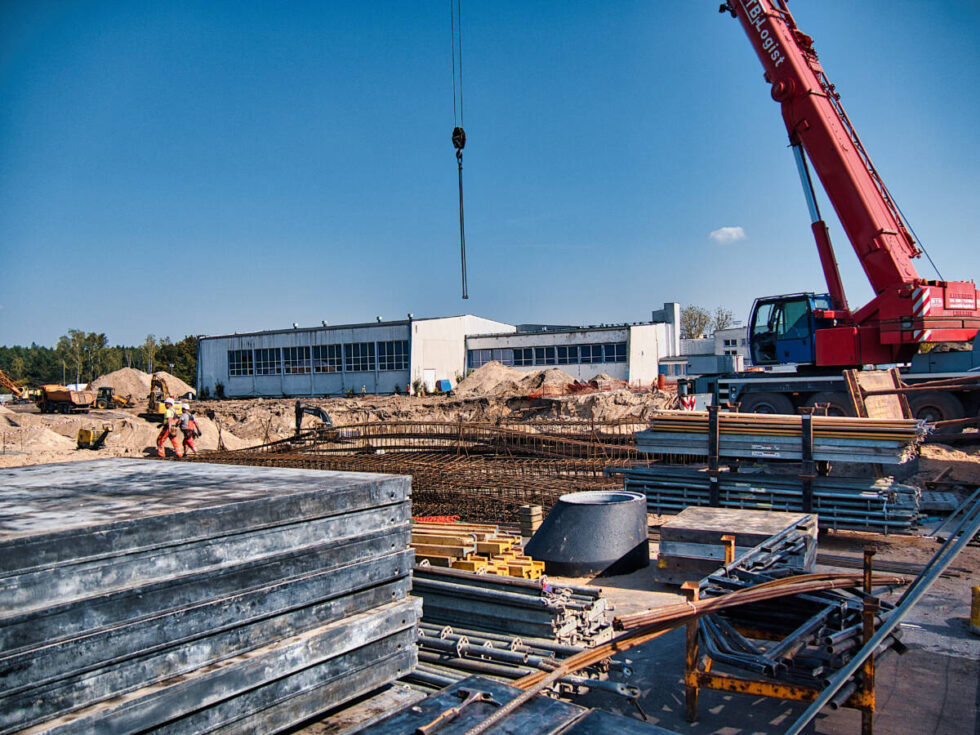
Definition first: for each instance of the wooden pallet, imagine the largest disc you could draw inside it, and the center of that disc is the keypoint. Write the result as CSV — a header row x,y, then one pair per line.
x,y
473,547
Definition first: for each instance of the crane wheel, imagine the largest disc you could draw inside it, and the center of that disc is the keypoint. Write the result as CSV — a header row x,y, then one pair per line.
x,y
936,406
766,403
840,403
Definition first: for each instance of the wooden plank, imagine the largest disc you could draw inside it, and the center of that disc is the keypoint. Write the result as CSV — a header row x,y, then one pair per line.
x,y
436,561
426,538
472,564
438,550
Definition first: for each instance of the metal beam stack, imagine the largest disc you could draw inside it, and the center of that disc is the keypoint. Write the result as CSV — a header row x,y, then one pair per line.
x,y
519,607
777,436
148,596
880,505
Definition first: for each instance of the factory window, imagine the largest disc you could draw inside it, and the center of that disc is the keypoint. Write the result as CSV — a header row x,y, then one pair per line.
x,y
393,355
523,356
295,360
615,352
477,358
544,355
239,362
567,355
328,358
359,357
590,354
504,357
267,361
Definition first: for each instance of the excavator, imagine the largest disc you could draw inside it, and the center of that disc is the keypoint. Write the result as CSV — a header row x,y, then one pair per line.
x,y
7,383
155,406
819,333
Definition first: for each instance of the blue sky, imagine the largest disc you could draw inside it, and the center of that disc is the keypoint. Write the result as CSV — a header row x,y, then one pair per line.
x,y
208,167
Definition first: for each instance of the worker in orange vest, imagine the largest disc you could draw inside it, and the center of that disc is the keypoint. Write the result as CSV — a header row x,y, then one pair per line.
x,y
168,429
189,427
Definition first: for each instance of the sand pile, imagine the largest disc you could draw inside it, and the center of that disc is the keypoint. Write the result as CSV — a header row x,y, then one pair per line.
x,y
492,379
33,439
125,382
613,405
549,382
963,464
175,385
136,383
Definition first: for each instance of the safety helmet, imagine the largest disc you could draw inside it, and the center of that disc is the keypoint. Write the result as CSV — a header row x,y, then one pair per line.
x,y
185,407
169,402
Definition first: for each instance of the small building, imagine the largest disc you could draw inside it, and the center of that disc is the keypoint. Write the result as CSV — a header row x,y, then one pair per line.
x,y
726,351
733,341
374,357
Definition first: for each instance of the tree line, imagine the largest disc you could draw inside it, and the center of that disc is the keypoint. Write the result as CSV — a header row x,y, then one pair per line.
x,y
81,357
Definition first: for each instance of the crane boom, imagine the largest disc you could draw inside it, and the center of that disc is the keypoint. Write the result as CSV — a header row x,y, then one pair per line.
x,y
907,309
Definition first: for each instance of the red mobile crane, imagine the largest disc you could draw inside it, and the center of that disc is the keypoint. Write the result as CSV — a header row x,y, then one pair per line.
x,y
907,309
819,333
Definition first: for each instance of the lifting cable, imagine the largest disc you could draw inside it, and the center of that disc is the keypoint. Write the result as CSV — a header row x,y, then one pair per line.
x,y
459,136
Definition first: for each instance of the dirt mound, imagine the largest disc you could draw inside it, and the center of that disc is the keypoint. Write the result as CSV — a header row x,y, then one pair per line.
x,y
125,382
603,377
963,464
33,439
492,379
552,381
175,385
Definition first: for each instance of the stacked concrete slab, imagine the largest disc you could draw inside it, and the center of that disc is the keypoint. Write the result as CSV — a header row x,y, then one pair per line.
x,y
142,596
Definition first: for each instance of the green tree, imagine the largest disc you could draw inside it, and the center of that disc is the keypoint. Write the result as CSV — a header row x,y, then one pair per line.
x,y
72,349
18,368
723,318
150,351
694,321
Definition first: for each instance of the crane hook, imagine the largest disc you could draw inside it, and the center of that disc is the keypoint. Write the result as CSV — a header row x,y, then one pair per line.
x,y
459,142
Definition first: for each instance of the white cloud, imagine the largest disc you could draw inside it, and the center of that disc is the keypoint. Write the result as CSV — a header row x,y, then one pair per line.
x,y
725,235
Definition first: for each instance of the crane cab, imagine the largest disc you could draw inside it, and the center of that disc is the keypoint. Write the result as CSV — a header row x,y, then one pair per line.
x,y
782,328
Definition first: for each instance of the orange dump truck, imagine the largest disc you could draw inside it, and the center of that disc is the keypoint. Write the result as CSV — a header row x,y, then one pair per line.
x,y
60,399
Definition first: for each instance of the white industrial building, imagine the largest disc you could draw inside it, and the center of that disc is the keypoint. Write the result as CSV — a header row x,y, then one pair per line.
x,y
385,357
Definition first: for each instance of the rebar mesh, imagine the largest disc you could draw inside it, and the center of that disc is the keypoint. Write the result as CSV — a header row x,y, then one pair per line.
x,y
481,471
